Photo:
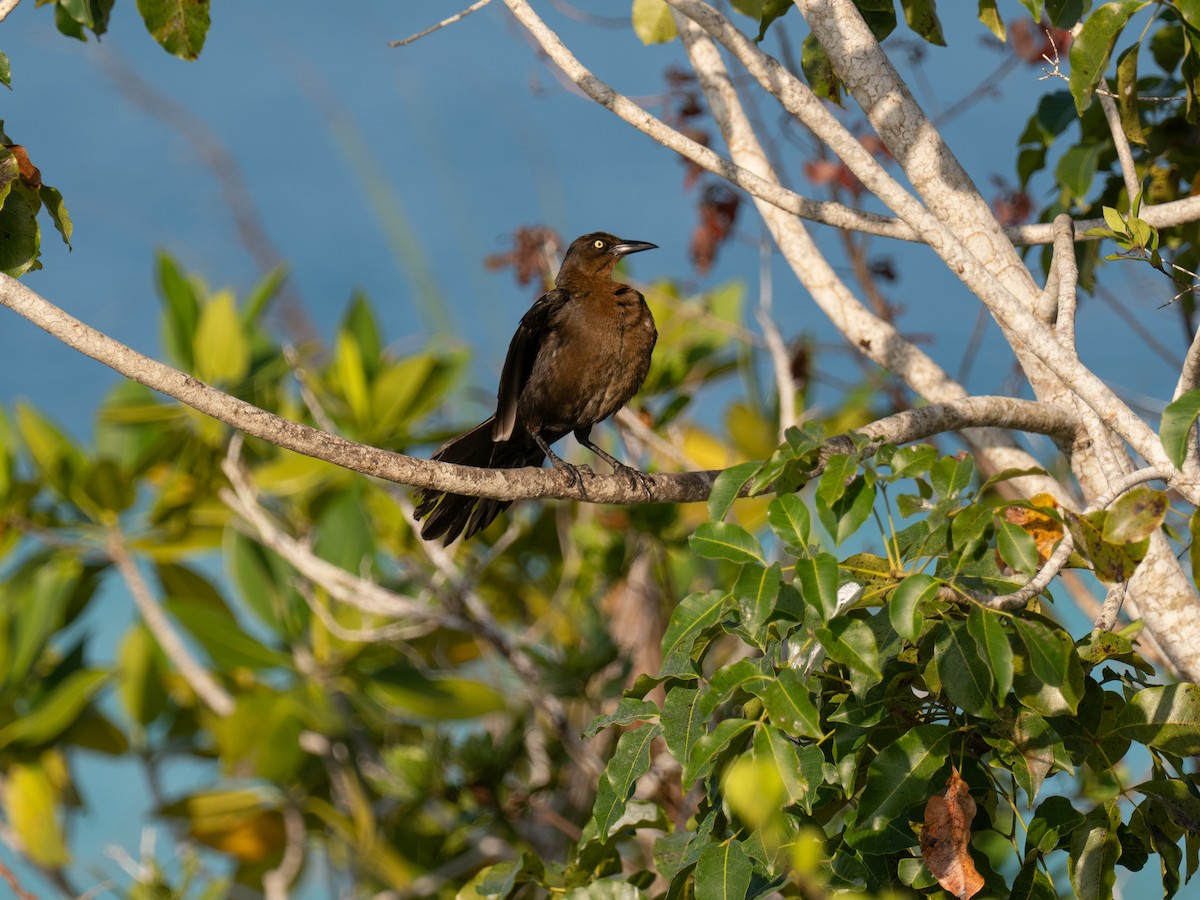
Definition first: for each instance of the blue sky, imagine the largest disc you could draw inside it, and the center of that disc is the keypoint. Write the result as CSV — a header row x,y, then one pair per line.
x,y
451,142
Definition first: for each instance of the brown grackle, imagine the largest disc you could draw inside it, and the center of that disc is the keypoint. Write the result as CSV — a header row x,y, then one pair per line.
x,y
580,353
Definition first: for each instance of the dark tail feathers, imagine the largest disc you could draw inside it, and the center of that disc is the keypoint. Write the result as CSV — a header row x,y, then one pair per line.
x,y
449,515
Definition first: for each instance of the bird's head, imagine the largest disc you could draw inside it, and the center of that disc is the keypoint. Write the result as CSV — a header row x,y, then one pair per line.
x,y
594,255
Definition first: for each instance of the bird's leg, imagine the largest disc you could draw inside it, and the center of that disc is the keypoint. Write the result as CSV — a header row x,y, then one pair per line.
x,y
559,463
636,478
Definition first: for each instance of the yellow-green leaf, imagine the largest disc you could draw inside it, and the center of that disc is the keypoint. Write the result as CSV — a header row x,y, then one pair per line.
x,y
652,21
31,799
221,350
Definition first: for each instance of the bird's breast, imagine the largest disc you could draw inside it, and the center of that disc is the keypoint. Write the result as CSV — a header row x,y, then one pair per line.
x,y
592,363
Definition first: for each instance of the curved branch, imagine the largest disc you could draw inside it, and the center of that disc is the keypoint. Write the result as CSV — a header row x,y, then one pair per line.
x,y
501,484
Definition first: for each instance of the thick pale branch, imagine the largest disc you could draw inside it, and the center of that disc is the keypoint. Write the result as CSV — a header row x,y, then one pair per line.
x,y
875,338
1010,311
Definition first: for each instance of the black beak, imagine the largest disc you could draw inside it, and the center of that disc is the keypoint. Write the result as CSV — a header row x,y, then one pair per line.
x,y
626,247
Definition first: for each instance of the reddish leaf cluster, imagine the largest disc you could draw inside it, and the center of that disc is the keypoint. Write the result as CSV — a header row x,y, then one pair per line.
x,y
718,212
1032,42
535,249
837,173
1012,206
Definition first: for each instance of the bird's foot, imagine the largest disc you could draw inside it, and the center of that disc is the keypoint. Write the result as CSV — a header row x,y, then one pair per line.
x,y
576,473
637,478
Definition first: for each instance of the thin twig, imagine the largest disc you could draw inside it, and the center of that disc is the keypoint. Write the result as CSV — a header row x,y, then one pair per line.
x,y
207,688
5,871
1017,599
7,6
1133,185
275,881
404,42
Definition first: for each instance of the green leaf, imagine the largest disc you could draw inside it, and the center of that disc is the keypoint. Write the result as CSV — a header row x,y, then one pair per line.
x,y
965,677
1127,96
852,643
179,26
221,350
53,201
695,613
710,746
1076,169
5,71
1166,718
789,705
411,695
1051,825
990,16
727,487
683,720
921,16
1091,49
723,872
839,473
140,676
818,578
789,519
653,22
1095,849
1017,546
846,515
818,70
950,476
754,592
913,461
1177,421
904,607
772,10
1135,516
20,238
628,711
772,746
995,651
724,540
181,311
56,711
225,642
1047,677
901,776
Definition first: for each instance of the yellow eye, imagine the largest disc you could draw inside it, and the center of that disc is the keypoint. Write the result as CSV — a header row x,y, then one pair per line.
x,y
598,244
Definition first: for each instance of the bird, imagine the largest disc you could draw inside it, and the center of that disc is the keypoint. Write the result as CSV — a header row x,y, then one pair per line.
x,y
579,354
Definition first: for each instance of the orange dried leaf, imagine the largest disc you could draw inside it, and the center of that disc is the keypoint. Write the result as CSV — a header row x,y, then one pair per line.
x,y
1045,530
945,837
25,168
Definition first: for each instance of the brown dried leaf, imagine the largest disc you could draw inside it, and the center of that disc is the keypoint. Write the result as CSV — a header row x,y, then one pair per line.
x,y
718,212
1045,530
27,170
945,837
533,255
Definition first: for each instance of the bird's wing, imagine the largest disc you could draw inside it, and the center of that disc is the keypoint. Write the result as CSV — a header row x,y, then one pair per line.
x,y
535,326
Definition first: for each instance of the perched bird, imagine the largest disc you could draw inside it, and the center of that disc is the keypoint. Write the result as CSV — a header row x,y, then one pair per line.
x,y
580,353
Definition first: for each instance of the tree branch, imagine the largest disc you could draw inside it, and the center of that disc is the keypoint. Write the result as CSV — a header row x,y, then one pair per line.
x,y
7,6
207,688
1133,186
404,42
